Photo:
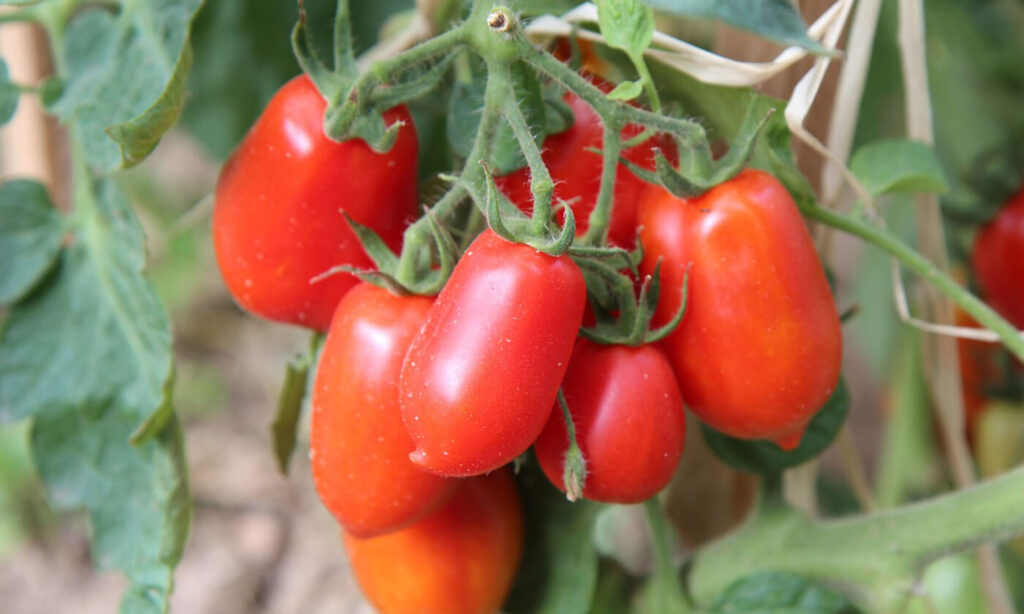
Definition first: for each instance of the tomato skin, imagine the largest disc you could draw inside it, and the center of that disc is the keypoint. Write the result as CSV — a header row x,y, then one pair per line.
x,y
277,219
577,172
759,349
462,559
997,258
359,448
628,413
479,380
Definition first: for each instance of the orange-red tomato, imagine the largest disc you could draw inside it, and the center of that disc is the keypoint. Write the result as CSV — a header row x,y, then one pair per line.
x,y
759,349
628,414
277,219
998,259
462,559
358,446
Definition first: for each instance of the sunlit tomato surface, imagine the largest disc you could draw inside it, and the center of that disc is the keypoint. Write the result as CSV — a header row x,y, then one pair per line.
x,y
481,377
277,219
759,349
576,172
998,260
461,559
358,446
628,414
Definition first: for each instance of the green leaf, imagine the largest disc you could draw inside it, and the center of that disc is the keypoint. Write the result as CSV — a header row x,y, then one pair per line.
x,y
290,402
766,457
30,236
136,496
897,165
467,102
771,592
776,20
627,90
94,331
9,94
125,78
626,24
558,574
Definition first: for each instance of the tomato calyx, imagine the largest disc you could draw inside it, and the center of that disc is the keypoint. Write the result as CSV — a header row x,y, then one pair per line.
x,y
574,472
698,170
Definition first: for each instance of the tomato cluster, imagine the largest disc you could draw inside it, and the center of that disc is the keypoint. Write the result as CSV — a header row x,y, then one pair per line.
x,y
420,402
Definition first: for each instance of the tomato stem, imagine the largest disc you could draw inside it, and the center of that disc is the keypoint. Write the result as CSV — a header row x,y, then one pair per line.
x,y
667,590
601,216
574,474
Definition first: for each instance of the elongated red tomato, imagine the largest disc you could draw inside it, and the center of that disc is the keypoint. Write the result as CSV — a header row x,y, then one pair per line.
x,y
461,559
576,171
480,378
358,446
998,259
759,349
628,413
277,219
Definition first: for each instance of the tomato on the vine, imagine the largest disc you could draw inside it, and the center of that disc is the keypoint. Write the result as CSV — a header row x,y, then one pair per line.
x,y
277,220
759,349
628,414
359,448
576,170
998,257
461,559
480,379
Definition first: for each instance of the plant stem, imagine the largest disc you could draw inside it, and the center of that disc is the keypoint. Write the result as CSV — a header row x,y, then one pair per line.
x,y
667,590
875,558
881,238
601,216
648,81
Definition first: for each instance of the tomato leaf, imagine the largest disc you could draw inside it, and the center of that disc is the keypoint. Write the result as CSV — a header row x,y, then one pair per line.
x,y
30,236
93,331
891,166
294,392
772,592
467,102
125,78
627,90
136,496
9,94
626,24
766,457
558,574
776,20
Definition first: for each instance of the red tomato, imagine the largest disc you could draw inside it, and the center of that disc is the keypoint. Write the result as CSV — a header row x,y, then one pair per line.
x,y
628,413
759,349
358,446
577,173
461,559
480,378
277,219
998,260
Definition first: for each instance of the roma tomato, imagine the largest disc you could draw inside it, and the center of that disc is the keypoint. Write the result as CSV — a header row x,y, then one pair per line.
x,y
461,559
628,413
277,219
759,349
998,258
358,446
577,173
480,378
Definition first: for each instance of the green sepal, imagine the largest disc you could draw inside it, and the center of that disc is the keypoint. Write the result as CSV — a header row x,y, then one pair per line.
x,y
666,329
373,245
413,88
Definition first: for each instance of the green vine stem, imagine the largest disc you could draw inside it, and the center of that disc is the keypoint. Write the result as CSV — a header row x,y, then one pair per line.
x,y
881,238
666,590
574,474
876,558
601,216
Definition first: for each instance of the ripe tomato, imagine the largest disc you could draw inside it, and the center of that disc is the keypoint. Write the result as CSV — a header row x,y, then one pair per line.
x,y
480,378
628,413
277,219
577,172
358,446
998,257
759,349
461,559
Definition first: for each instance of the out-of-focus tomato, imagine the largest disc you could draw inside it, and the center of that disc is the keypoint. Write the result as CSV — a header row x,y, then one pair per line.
x,y
998,259
461,559
479,380
628,414
359,447
277,219
759,349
